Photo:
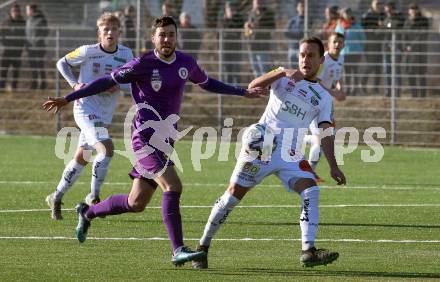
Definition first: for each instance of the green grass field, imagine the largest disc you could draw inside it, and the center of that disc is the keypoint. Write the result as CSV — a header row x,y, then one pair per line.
x,y
385,223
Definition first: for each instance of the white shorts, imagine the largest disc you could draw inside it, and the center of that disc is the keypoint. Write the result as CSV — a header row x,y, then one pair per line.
x,y
249,173
93,130
314,127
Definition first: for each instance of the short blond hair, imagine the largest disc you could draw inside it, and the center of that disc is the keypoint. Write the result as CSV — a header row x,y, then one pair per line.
x,y
108,17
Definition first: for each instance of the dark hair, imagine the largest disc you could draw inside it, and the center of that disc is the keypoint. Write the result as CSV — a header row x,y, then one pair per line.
x,y
333,9
391,4
413,6
33,7
162,22
14,6
314,40
336,34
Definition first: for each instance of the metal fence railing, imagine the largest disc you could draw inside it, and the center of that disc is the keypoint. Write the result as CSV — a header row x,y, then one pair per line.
x,y
394,85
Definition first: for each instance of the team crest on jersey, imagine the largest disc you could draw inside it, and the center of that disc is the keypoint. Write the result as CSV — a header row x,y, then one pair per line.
x,y
156,80
183,73
290,86
314,101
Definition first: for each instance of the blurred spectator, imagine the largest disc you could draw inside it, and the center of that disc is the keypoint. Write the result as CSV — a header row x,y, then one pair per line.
x,y
190,38
415,50
231,43
118,14
146,38
106,6
354,47
129,28
331,21
168,10
373,20
12,37
394,21
258,28
295,32
36,33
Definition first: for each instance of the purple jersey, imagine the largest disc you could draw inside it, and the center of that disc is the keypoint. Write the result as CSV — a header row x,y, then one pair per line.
x,y
159,83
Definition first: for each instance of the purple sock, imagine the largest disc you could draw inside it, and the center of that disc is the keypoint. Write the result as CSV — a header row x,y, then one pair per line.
x,y
171,217
115,204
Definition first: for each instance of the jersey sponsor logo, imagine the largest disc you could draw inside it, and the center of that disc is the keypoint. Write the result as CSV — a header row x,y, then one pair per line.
x,y
293,109
156,80
121,60
96,67
183,73
74,54
315,92
314,101
96,57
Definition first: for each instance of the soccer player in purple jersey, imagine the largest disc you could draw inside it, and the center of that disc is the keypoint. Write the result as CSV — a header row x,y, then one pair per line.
x,y
157,81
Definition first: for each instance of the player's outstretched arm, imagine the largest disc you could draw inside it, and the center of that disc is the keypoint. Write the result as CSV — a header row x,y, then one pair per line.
x,y
337,92
328,146
55,103
267,79
95,87
216,86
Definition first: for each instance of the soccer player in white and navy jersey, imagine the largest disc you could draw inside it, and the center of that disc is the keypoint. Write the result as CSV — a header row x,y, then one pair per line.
x,y
294,102
329,75
93,115
157,81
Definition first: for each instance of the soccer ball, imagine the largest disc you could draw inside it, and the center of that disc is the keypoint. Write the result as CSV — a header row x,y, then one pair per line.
x,y
259,141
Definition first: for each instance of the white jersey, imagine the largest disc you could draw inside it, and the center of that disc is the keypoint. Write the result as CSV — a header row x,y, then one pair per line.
x,y
294,105
330,71
95,62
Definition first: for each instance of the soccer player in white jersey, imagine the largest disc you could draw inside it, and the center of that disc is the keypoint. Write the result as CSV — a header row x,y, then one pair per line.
x,y
92,114
294,102
329,76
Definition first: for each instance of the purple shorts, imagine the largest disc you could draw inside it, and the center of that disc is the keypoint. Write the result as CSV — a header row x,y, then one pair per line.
x,y
151,166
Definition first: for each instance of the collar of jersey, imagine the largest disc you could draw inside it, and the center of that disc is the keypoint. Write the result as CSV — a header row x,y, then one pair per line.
x,y
312,81
333,59
102,49
165,61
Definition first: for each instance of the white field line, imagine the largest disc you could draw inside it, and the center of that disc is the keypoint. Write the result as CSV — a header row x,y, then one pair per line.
x,y
220,239
128,184
265,207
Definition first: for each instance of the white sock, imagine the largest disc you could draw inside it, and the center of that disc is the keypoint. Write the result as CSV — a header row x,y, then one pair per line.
x,y
70,174
315,152
99,171
309,217
222,207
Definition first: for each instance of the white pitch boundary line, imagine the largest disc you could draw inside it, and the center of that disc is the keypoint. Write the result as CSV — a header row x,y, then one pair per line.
x,y
220,239
267,207
380,187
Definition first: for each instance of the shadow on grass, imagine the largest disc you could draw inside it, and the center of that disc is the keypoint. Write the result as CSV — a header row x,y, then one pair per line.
x,y
266,223
271,272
